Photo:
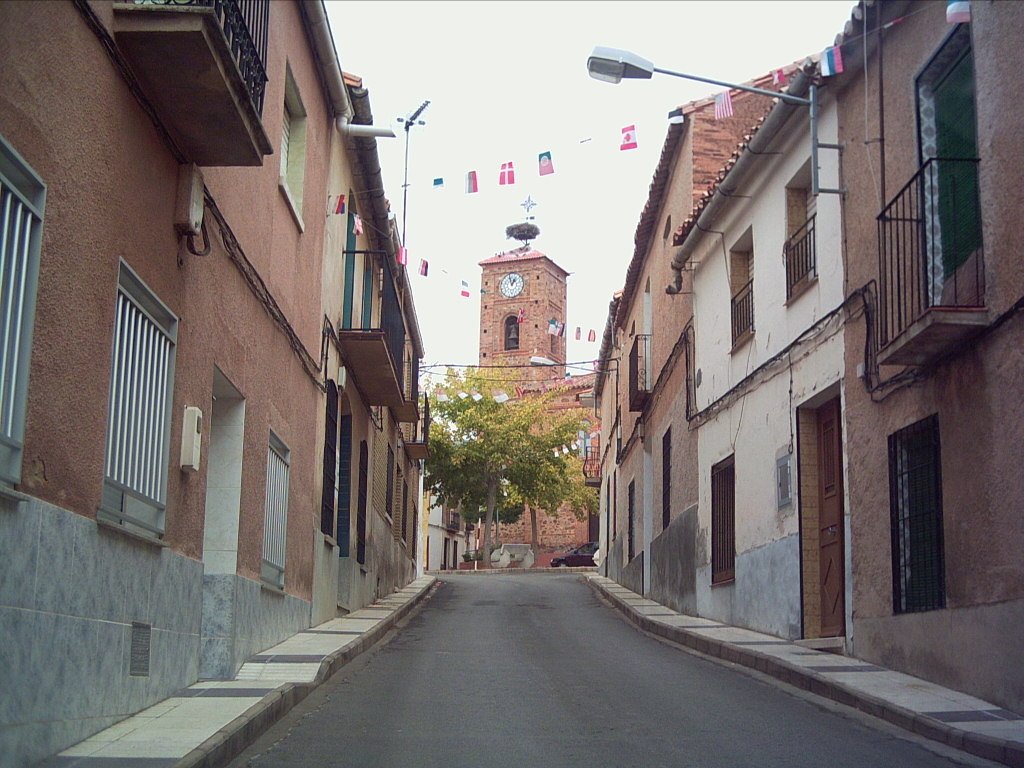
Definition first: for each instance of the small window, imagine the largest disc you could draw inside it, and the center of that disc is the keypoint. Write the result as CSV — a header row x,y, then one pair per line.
x,y
138,419
741,288
22,200
362,500
723,521
275,513
666,478
293,147
915,509
630,532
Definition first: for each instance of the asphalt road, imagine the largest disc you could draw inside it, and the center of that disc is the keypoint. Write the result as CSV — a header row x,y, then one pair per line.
x,y
534,670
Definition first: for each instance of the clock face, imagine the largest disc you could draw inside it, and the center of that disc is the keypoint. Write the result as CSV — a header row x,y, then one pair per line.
x,y
511,285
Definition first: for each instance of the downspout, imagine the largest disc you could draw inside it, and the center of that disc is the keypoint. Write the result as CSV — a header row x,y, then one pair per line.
x,y
758,146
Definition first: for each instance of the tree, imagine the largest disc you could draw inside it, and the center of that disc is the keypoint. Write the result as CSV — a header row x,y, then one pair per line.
x,y
488,450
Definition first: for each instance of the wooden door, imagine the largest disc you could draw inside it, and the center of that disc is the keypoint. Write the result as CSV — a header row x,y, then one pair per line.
x,y
830,521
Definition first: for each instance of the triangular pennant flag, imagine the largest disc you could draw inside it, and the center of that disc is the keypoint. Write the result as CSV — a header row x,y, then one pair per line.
x,y
438,183
578,332
723,105
424,267
832,61
465,289
357,225
339,207
628,138
471,185
544,161
553,327
592,336
402,256
441,397
778,77
507,175
958,12
501,397
521,317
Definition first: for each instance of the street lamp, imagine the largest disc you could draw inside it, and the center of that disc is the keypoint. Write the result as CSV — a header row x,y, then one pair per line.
x,y
612,65
409,122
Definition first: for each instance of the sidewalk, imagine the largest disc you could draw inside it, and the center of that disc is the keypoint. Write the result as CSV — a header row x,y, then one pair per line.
x,y
209,723
956,719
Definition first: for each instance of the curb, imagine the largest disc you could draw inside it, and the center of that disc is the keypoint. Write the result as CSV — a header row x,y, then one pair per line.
x,y
231,740
988,747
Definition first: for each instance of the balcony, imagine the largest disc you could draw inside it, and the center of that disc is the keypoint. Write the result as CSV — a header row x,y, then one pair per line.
x,y
800,258
639,371
592,466
202,64
408,412
375,355
417,447
743,314
453,522
931,265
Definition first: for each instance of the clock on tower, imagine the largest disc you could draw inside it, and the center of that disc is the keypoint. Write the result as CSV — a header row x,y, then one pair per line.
x,y
511,285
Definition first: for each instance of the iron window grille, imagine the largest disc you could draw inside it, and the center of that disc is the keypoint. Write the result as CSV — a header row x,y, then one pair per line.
x,y
138,422
275,519
915,508
22,203
723,521
743,312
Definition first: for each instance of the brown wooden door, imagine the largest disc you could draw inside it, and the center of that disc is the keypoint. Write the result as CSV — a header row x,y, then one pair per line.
x,y
830,521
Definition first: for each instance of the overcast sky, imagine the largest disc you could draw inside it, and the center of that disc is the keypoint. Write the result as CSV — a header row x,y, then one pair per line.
x,y
507,81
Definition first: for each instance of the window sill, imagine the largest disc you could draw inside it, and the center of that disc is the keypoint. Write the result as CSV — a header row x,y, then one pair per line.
x,y
132,534
272,588
329,540
802,287
6,492
741,341
724,582
282,185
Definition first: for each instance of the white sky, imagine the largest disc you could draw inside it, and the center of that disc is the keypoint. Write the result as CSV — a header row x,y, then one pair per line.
x,y
507,81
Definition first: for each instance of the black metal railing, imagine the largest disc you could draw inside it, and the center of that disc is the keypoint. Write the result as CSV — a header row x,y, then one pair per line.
x,y
639,365
800,257
454,521
245,24
743,312
592,462
929,245
423,428
393,325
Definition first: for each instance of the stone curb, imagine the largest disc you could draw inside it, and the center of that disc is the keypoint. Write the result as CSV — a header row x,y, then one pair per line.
x,y
510,571
988,747
231,740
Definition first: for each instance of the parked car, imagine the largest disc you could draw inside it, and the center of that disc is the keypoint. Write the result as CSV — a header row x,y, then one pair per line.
x,y
581,556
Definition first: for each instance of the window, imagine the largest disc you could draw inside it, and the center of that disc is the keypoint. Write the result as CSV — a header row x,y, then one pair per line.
x,y
139,412
915,510
741,288
511,332
723,521
293,147
22,200
329,492
275,513
361,501
631,501
344,483
615,508
666,478
389,503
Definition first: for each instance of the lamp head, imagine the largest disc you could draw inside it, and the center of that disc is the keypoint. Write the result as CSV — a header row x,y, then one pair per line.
x,y
610,65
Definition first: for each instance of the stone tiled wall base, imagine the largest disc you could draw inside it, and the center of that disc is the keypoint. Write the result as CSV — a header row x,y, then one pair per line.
x,y
69,592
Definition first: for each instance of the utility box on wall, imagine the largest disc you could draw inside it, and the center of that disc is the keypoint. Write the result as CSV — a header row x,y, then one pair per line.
x,y
191,438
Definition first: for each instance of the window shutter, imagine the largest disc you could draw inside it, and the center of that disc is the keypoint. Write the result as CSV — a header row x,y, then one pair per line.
x,y
330,461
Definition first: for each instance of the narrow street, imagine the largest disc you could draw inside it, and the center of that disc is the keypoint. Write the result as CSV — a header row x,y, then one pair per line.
x,y
534,670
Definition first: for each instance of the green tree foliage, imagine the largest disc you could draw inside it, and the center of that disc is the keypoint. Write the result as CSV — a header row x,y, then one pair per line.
x,y
497,453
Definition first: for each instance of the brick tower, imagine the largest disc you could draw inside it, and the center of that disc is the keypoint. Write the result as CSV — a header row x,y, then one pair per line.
x,y
524,281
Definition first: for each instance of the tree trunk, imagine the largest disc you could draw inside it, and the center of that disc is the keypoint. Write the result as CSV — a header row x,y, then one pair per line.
x,y
534,538
492,497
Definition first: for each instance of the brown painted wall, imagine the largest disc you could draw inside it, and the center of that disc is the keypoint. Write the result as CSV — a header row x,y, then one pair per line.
x,y
975,394
111,195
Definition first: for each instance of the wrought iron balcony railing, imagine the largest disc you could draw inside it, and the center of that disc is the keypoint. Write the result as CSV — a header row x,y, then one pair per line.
x,y
743,312
800,257
639,371
930,246
592,465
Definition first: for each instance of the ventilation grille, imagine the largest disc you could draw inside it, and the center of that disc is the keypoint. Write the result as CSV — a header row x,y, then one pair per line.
x,y
139,663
